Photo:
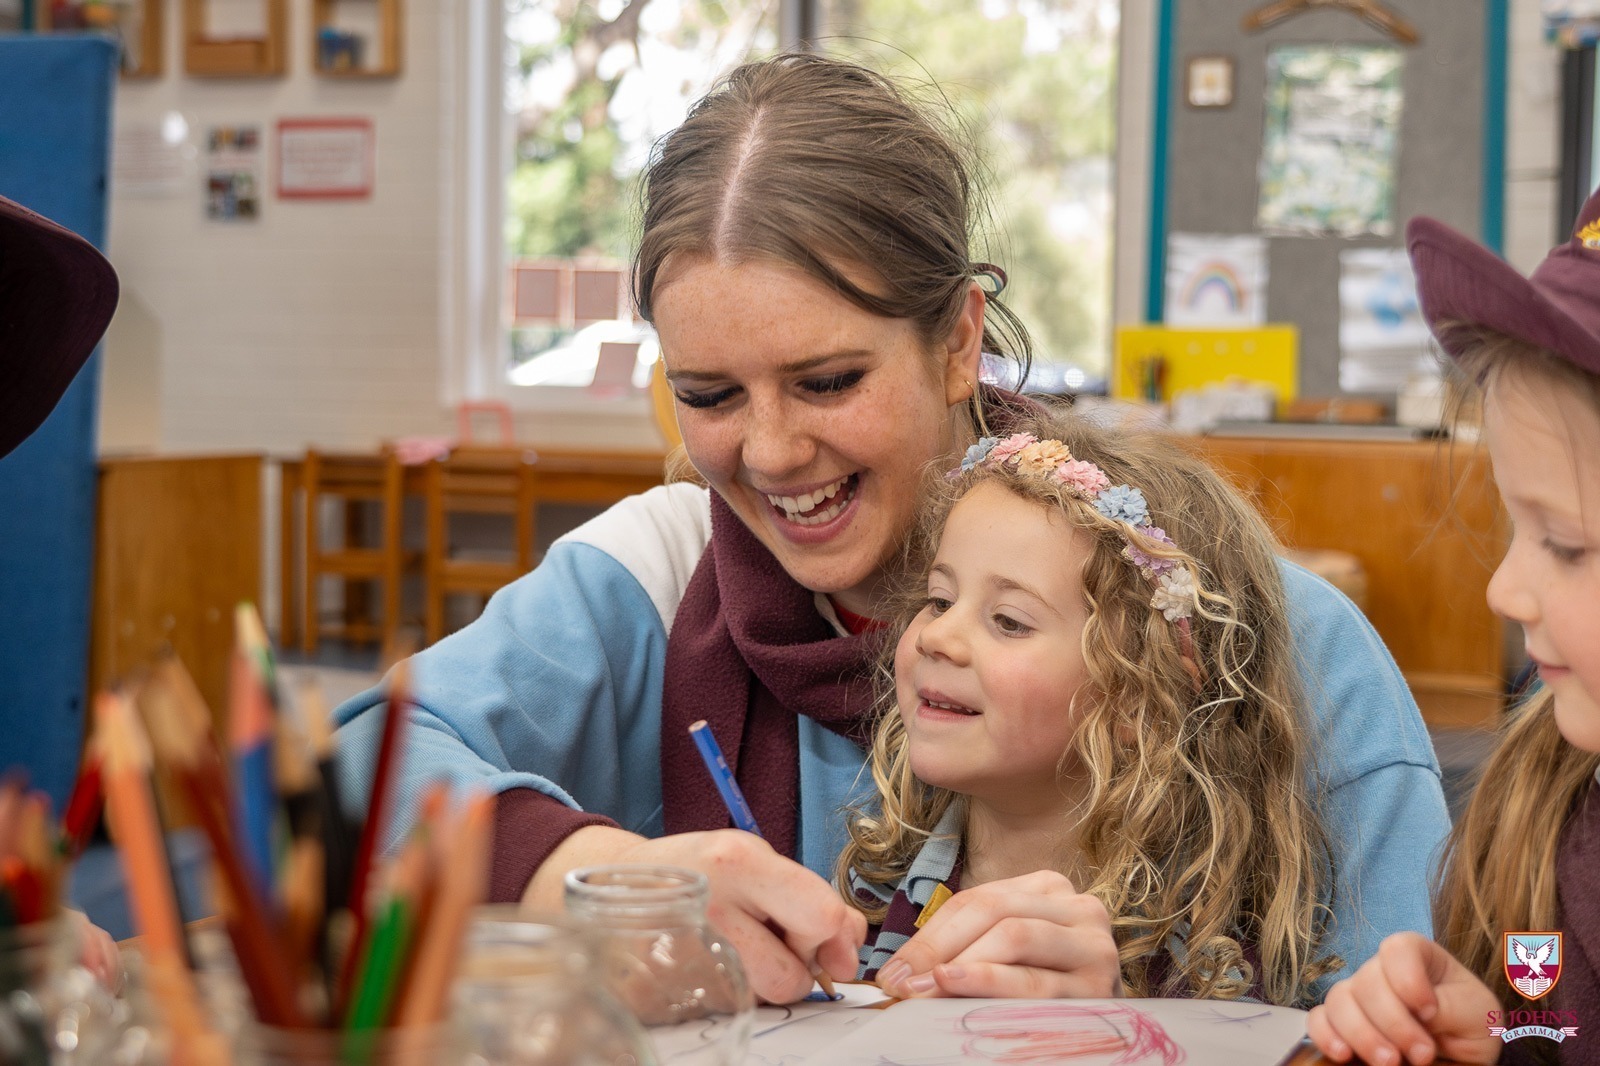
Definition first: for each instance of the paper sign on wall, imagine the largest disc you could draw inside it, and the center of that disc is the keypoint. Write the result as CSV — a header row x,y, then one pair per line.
x,y
1383,339
325,158
1332,138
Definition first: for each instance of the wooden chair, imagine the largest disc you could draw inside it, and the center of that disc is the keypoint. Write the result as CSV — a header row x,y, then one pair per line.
x,y
357,483
473,480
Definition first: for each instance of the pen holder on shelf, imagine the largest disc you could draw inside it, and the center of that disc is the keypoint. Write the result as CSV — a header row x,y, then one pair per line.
x,y
661,959
52,1010
527,994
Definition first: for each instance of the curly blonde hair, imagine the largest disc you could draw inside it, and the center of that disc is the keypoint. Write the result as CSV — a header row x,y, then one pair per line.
x,y
1199,821
1499,868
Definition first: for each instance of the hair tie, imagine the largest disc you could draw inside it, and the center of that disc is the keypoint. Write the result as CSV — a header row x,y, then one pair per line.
x,y
990,278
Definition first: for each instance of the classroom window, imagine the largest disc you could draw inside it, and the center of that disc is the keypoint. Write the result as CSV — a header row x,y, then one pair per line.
x,y
589,85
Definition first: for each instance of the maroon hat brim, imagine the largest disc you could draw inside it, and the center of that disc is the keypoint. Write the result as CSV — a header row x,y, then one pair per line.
x,y
1461,284
57,295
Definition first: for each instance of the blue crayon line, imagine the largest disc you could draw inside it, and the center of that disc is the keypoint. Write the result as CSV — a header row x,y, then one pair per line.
x,y
717,766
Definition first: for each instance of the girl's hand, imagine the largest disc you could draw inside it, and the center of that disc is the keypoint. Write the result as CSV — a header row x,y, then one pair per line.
x,y
1411,1001
785,922
1029,937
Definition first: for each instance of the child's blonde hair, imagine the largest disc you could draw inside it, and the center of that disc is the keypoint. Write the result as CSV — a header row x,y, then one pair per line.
x,y
1199,822
1498,874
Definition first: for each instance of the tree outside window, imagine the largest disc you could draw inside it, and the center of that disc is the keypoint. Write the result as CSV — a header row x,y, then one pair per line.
x,y
592,85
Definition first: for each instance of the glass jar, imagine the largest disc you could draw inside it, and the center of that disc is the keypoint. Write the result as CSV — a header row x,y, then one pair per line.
x,y
53,1011
659,956
423,1045
527,995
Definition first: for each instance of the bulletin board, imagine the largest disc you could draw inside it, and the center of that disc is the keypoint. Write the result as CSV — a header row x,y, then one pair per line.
x,y
1205,160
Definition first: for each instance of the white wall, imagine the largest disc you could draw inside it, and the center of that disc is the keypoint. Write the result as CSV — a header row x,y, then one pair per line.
x,y
320,323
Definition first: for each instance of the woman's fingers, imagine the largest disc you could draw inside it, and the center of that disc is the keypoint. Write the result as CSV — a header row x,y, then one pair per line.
x,y
776,974
754,889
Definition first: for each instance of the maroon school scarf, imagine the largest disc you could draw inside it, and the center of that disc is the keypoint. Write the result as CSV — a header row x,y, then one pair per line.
x,y
744,631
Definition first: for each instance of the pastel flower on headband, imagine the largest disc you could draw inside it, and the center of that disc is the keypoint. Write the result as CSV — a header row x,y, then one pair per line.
x,y
1013,444
1153,563
1043,457
1086,478
978,453
1175,589
1123,504
1175,594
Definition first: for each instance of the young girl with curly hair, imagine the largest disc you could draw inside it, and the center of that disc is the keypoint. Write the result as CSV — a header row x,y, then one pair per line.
x,y
1095,710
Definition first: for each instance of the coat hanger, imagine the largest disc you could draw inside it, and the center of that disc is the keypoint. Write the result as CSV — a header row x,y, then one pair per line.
x,y
1369,11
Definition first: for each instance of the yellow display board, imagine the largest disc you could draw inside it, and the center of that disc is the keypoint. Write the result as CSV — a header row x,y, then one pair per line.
x,y
1154,362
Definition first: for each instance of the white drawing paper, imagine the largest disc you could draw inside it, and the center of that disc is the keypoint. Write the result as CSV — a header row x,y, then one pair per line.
x,y
1086,1032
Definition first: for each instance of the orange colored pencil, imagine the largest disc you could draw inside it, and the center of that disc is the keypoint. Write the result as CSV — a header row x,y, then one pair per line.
x,y
132,811
460,890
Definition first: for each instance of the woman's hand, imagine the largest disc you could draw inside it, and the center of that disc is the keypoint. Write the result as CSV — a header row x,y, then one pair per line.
x,y
97,952
785,922
1029,937
1411,1001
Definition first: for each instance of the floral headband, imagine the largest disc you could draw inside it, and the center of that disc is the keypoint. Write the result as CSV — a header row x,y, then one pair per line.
x,y
1175,589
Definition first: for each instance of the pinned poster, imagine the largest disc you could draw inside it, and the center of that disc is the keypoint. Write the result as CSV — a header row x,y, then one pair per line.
x,y
1383,339
1216,280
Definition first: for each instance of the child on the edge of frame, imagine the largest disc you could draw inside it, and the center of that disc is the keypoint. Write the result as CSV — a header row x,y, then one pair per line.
x,y
1096,709
1526,854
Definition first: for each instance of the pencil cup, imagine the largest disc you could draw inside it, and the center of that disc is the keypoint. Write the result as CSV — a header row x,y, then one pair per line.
x,y
659,956
52,1010
527,994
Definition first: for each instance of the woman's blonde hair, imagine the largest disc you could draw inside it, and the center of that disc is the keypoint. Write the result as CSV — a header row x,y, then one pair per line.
x,y
1498,873
1199,823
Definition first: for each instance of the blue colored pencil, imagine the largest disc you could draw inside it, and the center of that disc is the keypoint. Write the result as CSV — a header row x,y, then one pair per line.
x,y
717,766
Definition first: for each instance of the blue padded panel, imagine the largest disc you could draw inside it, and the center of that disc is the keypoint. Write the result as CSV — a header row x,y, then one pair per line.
x,y
55,152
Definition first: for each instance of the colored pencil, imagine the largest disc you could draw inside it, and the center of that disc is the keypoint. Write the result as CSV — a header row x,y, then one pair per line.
x,y
181,731
372,829
727,787
733,799
250,743
132,811
461,888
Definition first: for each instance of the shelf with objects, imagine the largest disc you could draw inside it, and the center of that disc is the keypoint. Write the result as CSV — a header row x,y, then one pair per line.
x,y
357,38
136,26
260,54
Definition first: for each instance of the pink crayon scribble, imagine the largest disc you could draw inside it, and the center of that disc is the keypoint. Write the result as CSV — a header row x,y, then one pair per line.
x,y
1053,1030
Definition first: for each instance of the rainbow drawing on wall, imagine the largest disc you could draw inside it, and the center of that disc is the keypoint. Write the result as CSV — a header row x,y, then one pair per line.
x,y
1215,280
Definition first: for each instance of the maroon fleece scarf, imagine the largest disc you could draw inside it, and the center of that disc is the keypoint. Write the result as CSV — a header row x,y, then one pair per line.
x,y
745,630
749,653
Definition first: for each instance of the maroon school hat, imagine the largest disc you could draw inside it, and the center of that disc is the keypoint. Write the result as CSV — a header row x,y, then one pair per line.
x,y
1557,307
57,294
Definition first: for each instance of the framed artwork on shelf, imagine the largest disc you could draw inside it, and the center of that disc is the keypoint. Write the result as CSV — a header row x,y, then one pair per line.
x,y
1208,81
261,52
325,158
356,39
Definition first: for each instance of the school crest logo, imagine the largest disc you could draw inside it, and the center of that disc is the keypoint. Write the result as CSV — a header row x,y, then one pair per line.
x,y
1589,236
1533,962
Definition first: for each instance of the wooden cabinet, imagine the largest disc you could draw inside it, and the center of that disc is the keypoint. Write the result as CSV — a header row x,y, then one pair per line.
x,y
178,545
1425,522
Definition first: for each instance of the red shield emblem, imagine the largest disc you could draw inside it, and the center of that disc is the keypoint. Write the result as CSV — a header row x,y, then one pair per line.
x,y
1533,962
